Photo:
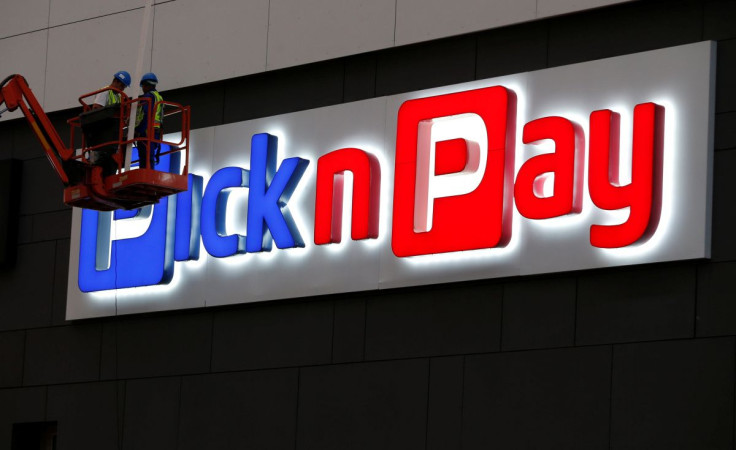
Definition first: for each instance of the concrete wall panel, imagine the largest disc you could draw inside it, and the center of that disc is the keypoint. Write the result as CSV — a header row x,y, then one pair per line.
x,y
84,56
25,55
421,20
546,8
314,30
68,11
197,42
22,17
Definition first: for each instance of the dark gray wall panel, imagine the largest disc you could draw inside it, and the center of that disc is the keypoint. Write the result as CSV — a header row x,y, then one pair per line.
x,y
725,137
157,346
538,399
207,104
53,225
364,406
716,314
41,189
723,246
515,49
89,415
426,65
273,335
539,313
628,28
726,76
718,19
6,139
445,408
25,143
10,181
26,290
434,321
19,406
12,348
109,352
646,303
63,354
673,395
239,410
348,341
283,91
151,414
61,280
360,77
25,230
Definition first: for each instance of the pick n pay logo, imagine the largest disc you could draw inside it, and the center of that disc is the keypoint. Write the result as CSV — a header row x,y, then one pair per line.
x,y
454,190
176,223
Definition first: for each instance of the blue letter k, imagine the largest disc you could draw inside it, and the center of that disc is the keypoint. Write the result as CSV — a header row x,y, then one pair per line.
x,y
268,194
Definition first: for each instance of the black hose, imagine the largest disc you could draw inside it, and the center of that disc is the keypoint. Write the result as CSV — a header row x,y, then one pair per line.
x,y
5,81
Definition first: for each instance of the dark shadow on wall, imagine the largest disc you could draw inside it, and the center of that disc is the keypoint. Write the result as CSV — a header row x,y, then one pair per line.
x,y
10,178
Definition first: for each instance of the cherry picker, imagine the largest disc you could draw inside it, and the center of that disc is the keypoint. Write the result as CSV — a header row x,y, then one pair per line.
x,y
95,174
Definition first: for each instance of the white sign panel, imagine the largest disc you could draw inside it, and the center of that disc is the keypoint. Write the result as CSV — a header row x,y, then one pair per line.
x,y
599,164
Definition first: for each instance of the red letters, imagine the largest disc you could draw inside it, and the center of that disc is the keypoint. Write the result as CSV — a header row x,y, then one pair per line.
x,y
453,182
643,195
366,195
436,211
566,163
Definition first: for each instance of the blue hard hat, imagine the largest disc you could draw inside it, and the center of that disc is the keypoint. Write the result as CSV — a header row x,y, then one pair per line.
x,y
149,78
124,77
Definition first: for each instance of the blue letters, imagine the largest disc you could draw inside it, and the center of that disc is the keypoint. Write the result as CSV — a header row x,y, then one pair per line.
x,y
146,260
214,205
270,190
188,210
177,222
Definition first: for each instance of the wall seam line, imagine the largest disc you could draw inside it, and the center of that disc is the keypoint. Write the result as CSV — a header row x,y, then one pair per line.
x,y
695,302
268,34
575,314
365,330
462,399
10,36
46,59
396,18
610,402
121,418
102,16
153,31
429,392
25,355
334,316
296,410
733,398
178,413
46,404
212,341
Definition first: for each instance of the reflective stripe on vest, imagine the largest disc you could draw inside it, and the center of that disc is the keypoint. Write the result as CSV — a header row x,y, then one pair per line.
x,y
159,111
113,98
159,117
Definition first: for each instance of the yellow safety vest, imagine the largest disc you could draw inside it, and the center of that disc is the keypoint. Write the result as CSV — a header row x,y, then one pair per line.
x,y
159,117
113,98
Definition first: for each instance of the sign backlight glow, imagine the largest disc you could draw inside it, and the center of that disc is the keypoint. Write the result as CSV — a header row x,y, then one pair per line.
x,y
502,177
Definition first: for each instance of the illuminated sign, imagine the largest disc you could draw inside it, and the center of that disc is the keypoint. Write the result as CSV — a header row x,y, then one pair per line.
x,y
591,165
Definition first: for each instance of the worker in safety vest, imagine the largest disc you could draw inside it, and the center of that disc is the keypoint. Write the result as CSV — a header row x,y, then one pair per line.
x,y
120,81
148,85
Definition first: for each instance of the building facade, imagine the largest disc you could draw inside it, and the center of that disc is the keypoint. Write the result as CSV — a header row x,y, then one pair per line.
x,y
636,356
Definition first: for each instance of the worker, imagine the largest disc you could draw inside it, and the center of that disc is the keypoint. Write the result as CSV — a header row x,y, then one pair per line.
x,y
101,126
120,81
148,85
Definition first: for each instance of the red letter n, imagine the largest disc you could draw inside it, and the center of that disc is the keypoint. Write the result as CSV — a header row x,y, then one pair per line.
x,y
366,195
